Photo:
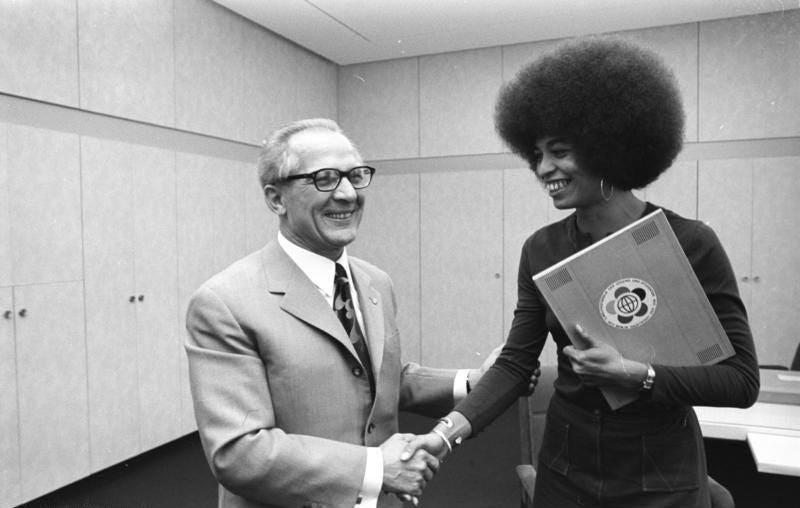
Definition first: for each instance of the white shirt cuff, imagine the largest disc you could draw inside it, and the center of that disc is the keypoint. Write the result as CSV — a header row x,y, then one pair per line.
x,y
460,384
373,479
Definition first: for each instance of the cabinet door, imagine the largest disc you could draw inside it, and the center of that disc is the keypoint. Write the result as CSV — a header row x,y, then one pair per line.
x,y
211,235
752,205
159,348
9,427
775,277
725,202
5,217
261,225
526,208
51,377
45,207
110,313
461,266
389,238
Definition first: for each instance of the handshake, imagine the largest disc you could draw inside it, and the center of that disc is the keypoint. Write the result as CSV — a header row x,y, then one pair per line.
x,y
410,462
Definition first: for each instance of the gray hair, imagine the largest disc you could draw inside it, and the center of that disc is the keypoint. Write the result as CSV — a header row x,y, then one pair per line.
x,y
276,161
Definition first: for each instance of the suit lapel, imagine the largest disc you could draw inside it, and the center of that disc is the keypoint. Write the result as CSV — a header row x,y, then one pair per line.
x,y
301,298
369,300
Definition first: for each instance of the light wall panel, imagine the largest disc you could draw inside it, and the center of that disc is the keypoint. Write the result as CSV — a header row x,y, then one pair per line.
x,y
389,238
457,93
9,416
675,189
159,331
749,70
6,270
209,64
261,224
126,59
316,85
51,377
269,78
525,210
45,207
379,107
516,56
111,350
461,216
38,50
725,203
211,235
776,258
677,46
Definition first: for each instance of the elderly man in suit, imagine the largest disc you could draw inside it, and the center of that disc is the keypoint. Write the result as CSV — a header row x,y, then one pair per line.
x,y
294,410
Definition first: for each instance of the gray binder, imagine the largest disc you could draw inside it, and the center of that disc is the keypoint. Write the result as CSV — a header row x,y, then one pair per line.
x,y
636,291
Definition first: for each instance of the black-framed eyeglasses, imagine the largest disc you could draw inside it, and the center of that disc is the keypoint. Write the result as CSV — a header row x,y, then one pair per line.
x,y
328,179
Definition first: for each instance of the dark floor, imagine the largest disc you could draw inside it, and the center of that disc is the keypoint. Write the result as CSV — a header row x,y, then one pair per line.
x,y
175,475
480,475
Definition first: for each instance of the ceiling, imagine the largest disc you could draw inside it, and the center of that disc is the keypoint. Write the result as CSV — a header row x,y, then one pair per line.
x,y
355,31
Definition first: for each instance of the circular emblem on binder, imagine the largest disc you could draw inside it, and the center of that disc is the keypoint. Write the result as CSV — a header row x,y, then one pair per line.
x,y
628,303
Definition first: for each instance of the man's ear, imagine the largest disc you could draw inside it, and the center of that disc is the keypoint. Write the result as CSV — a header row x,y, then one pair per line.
x,y
274,199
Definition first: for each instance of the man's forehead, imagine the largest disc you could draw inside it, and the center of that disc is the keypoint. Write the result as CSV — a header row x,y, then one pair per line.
x,y
318,145
313,139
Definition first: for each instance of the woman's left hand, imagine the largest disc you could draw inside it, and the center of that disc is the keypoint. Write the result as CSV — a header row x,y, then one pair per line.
x,y
599,364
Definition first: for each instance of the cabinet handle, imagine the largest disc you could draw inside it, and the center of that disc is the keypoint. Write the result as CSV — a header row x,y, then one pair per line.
x,y
756,279
745,278
22,312
141,298
132,298
7,314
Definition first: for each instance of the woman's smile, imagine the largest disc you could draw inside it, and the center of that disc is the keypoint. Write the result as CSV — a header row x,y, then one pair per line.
x,y
554,187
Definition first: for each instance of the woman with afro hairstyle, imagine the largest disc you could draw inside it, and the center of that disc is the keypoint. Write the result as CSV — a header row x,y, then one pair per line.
x,y
595,119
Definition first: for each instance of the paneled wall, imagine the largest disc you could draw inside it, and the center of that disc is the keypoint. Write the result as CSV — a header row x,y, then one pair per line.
x,y
187,64
426,123
128,132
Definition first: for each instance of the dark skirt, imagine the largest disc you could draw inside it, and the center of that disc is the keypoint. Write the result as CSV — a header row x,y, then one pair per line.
x,y
618,459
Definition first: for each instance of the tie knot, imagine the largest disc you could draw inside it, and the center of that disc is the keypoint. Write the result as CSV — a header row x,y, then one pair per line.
x,y
341,284
341,275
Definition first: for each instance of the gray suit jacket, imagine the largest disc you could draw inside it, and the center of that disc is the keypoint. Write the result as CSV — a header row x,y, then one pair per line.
x,y
283,414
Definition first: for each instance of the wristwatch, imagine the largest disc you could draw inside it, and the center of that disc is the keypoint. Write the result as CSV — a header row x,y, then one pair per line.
x,y
647,384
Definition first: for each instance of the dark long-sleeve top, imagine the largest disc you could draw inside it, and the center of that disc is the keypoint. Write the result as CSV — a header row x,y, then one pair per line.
x,y
733,382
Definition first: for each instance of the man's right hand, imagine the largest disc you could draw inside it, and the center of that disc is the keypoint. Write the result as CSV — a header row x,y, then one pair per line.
x,y
430,442
408,476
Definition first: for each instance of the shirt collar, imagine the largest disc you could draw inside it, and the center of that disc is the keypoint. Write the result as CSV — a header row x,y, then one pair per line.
x,y
319,269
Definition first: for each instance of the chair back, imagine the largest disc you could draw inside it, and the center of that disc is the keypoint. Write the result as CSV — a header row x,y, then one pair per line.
x,y
532,412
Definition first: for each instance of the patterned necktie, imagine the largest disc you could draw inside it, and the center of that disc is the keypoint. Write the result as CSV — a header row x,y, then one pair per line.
x,y
343,305
342,302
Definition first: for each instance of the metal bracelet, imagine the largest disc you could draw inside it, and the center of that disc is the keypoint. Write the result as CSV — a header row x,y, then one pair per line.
x,y
444,438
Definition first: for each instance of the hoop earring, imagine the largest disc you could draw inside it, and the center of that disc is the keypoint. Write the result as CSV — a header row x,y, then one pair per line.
x,y
603,193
